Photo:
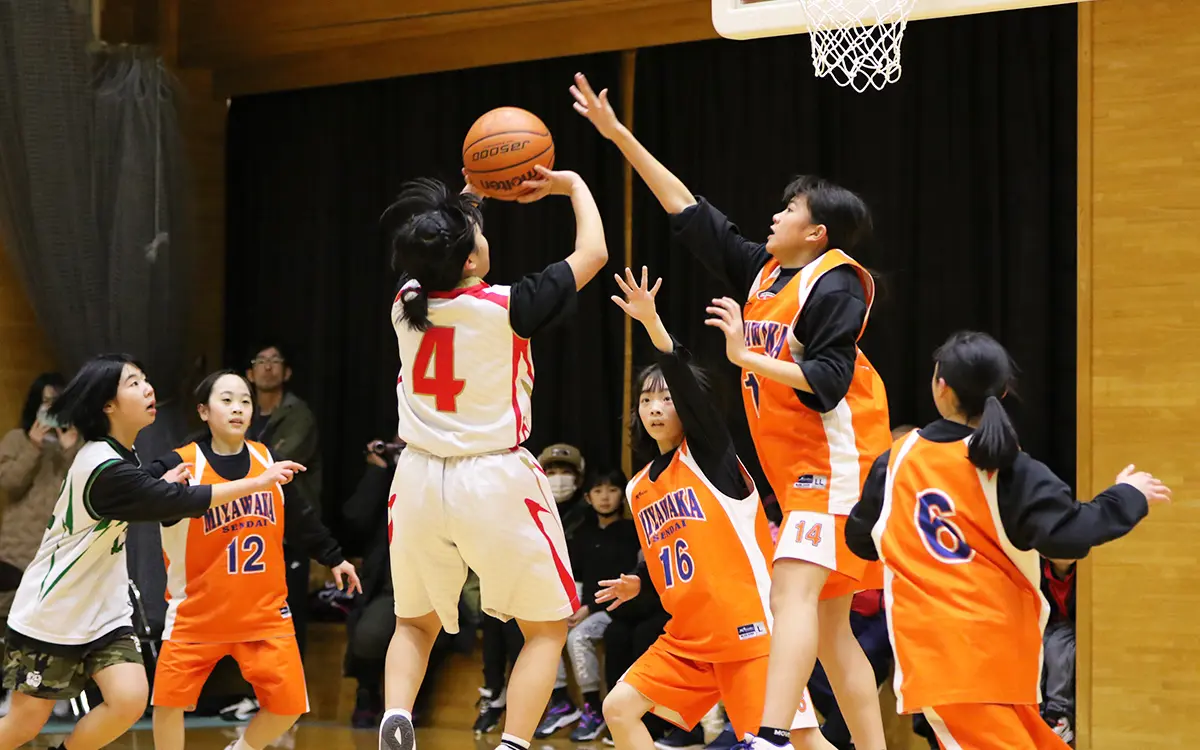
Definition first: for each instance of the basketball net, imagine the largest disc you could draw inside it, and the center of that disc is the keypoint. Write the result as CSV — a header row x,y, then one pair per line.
x,y
857,42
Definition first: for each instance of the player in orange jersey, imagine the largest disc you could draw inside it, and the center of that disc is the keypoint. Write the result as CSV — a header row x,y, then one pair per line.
x,y
958,515
815,406
707,551
226,585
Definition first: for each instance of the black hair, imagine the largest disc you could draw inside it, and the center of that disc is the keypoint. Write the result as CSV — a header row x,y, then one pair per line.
x,y
614,476
432,232
33,400
203,391
651,378
81,403
846,217
264,345
980,372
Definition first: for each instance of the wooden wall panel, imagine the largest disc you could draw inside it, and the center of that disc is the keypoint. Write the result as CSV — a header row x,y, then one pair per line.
x,y
23,350
1140,221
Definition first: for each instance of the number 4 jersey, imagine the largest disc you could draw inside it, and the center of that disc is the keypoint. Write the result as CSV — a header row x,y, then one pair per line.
x,y
465,384
226,576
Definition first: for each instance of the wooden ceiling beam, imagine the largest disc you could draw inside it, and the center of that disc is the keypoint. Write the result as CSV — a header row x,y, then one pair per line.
x,y
592,27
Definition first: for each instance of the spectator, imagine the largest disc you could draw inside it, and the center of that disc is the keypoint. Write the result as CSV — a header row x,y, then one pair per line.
x,y
602,548
287,426
1058,642
564,467
34,459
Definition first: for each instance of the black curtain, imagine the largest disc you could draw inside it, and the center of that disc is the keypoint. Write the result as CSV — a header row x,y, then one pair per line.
x,y
968,163
309,174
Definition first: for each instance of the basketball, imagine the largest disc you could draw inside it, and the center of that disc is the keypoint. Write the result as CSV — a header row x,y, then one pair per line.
x,y
502,148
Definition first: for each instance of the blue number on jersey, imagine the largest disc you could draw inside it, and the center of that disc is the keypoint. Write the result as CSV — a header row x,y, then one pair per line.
x,y
941,536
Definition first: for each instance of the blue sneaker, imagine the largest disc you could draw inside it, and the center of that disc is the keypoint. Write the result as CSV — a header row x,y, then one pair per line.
x,y
590,726
560,713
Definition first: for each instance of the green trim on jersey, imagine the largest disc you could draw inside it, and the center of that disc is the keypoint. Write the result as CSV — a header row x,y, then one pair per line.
x,y
87,488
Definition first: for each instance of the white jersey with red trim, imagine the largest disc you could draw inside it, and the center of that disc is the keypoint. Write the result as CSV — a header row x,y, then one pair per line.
x,y
465,384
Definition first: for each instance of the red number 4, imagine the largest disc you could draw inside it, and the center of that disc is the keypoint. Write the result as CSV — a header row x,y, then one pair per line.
x,y
437,345
813,535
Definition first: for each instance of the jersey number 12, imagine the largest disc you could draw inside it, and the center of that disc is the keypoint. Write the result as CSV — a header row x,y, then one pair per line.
x,y
253,544
437,349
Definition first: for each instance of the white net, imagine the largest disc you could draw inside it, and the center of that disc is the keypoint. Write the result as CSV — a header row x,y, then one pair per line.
x,y
857,42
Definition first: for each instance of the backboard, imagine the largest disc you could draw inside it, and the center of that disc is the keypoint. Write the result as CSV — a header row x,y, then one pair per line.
x,y
752,19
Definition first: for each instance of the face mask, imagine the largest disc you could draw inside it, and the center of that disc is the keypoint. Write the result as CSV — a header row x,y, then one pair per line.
x,y
563,486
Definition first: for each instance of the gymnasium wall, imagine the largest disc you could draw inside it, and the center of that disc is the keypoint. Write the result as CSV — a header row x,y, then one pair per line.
x,y
1139,365
23,350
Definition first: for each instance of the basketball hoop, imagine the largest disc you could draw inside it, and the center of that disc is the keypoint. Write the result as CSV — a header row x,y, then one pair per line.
x,y
857,42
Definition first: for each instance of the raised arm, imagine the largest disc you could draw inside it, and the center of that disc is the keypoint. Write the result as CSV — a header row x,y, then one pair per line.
x,y
705,429
714,240
591,250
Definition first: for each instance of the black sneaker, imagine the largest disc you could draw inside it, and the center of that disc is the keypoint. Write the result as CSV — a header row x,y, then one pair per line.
x,y
491,709
367,709
590,726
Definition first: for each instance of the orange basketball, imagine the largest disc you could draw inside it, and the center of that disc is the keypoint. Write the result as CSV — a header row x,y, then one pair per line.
x,y
502,148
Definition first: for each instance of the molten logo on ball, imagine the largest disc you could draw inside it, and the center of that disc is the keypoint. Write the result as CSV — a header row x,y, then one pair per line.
x,y
508,184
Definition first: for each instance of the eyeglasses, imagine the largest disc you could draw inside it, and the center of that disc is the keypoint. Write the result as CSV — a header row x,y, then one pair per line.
x,y
265,361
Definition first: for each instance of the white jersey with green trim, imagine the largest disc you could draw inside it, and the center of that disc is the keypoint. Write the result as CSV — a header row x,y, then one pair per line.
x,y
77,587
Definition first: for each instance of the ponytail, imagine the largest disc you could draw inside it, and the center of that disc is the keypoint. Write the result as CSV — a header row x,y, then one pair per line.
x,y
994,443
414,303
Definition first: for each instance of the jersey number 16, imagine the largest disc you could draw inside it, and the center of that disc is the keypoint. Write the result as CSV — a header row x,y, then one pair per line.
x,y
683,567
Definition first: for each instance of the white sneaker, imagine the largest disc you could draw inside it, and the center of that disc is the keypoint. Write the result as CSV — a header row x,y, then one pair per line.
x,y
6,703
1063,729
397,733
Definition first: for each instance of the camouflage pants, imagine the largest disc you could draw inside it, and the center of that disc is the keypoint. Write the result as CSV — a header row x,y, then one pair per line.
x,y
62,675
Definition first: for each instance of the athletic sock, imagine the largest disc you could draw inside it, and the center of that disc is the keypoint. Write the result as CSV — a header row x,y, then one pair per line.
x,y
510,742
777,737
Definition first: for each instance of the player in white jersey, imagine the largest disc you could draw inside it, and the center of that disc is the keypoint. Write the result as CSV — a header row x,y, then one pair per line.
x,y
71,619
465,492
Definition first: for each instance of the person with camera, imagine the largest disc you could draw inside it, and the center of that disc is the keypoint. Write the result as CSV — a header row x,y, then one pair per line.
x,y
34,459
370,623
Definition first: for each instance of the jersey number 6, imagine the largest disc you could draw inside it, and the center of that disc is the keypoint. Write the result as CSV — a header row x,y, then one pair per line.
x,y
437,347
941,536
683,563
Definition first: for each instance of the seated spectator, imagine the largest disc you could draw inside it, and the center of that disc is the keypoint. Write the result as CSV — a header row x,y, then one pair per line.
x,y
604,546
1058,642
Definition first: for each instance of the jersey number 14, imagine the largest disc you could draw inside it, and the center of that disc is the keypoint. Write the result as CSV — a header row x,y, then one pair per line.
x,y
433,369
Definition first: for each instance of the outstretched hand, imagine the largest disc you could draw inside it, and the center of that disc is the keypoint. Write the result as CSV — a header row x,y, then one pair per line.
x,y
727,316
1146,483
639,298
618,591
595,108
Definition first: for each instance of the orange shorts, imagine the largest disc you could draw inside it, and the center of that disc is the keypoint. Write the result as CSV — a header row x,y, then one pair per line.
x,y
691,688
272,666
820,538
992,726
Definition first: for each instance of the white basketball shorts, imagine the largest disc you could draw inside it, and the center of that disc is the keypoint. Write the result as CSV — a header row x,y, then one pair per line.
x,y
493,513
